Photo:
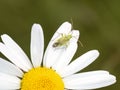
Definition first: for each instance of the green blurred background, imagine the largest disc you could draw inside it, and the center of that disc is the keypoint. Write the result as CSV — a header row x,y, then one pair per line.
x,y
97,20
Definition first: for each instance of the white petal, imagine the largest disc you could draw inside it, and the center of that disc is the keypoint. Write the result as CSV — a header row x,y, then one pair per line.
x,y
37,45
15,57
9,82
86,74
9,89
52,54
80,63
9,68
65,58
75,89
89,80
69,53
15,48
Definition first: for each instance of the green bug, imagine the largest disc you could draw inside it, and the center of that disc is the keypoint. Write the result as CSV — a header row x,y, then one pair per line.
x,y
62,41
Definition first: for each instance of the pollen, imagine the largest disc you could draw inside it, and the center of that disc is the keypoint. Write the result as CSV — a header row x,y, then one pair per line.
x,y
41,78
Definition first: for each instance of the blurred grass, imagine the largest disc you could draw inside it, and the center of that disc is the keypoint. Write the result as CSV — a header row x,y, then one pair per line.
x,y
97,20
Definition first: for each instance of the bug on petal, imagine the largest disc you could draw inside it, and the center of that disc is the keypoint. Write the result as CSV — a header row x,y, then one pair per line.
x,y
62,41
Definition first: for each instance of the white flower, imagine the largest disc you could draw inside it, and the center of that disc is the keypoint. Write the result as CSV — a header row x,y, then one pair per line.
x,y
55,72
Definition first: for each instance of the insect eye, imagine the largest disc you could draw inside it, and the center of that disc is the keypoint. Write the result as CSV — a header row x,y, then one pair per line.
x,y
55,44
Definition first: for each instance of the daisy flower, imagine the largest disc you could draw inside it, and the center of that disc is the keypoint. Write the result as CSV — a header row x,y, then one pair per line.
x,y
53,70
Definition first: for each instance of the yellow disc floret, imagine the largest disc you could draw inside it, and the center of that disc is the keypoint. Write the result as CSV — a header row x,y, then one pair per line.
x,y
41,78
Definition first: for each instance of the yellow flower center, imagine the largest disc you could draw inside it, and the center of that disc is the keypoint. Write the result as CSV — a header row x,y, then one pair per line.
x,y
41,78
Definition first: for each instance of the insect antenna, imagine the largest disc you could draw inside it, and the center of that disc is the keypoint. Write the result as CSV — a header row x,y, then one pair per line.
x,y
79,41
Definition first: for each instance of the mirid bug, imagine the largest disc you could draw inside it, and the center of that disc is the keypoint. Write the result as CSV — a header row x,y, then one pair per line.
x,y
62,41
